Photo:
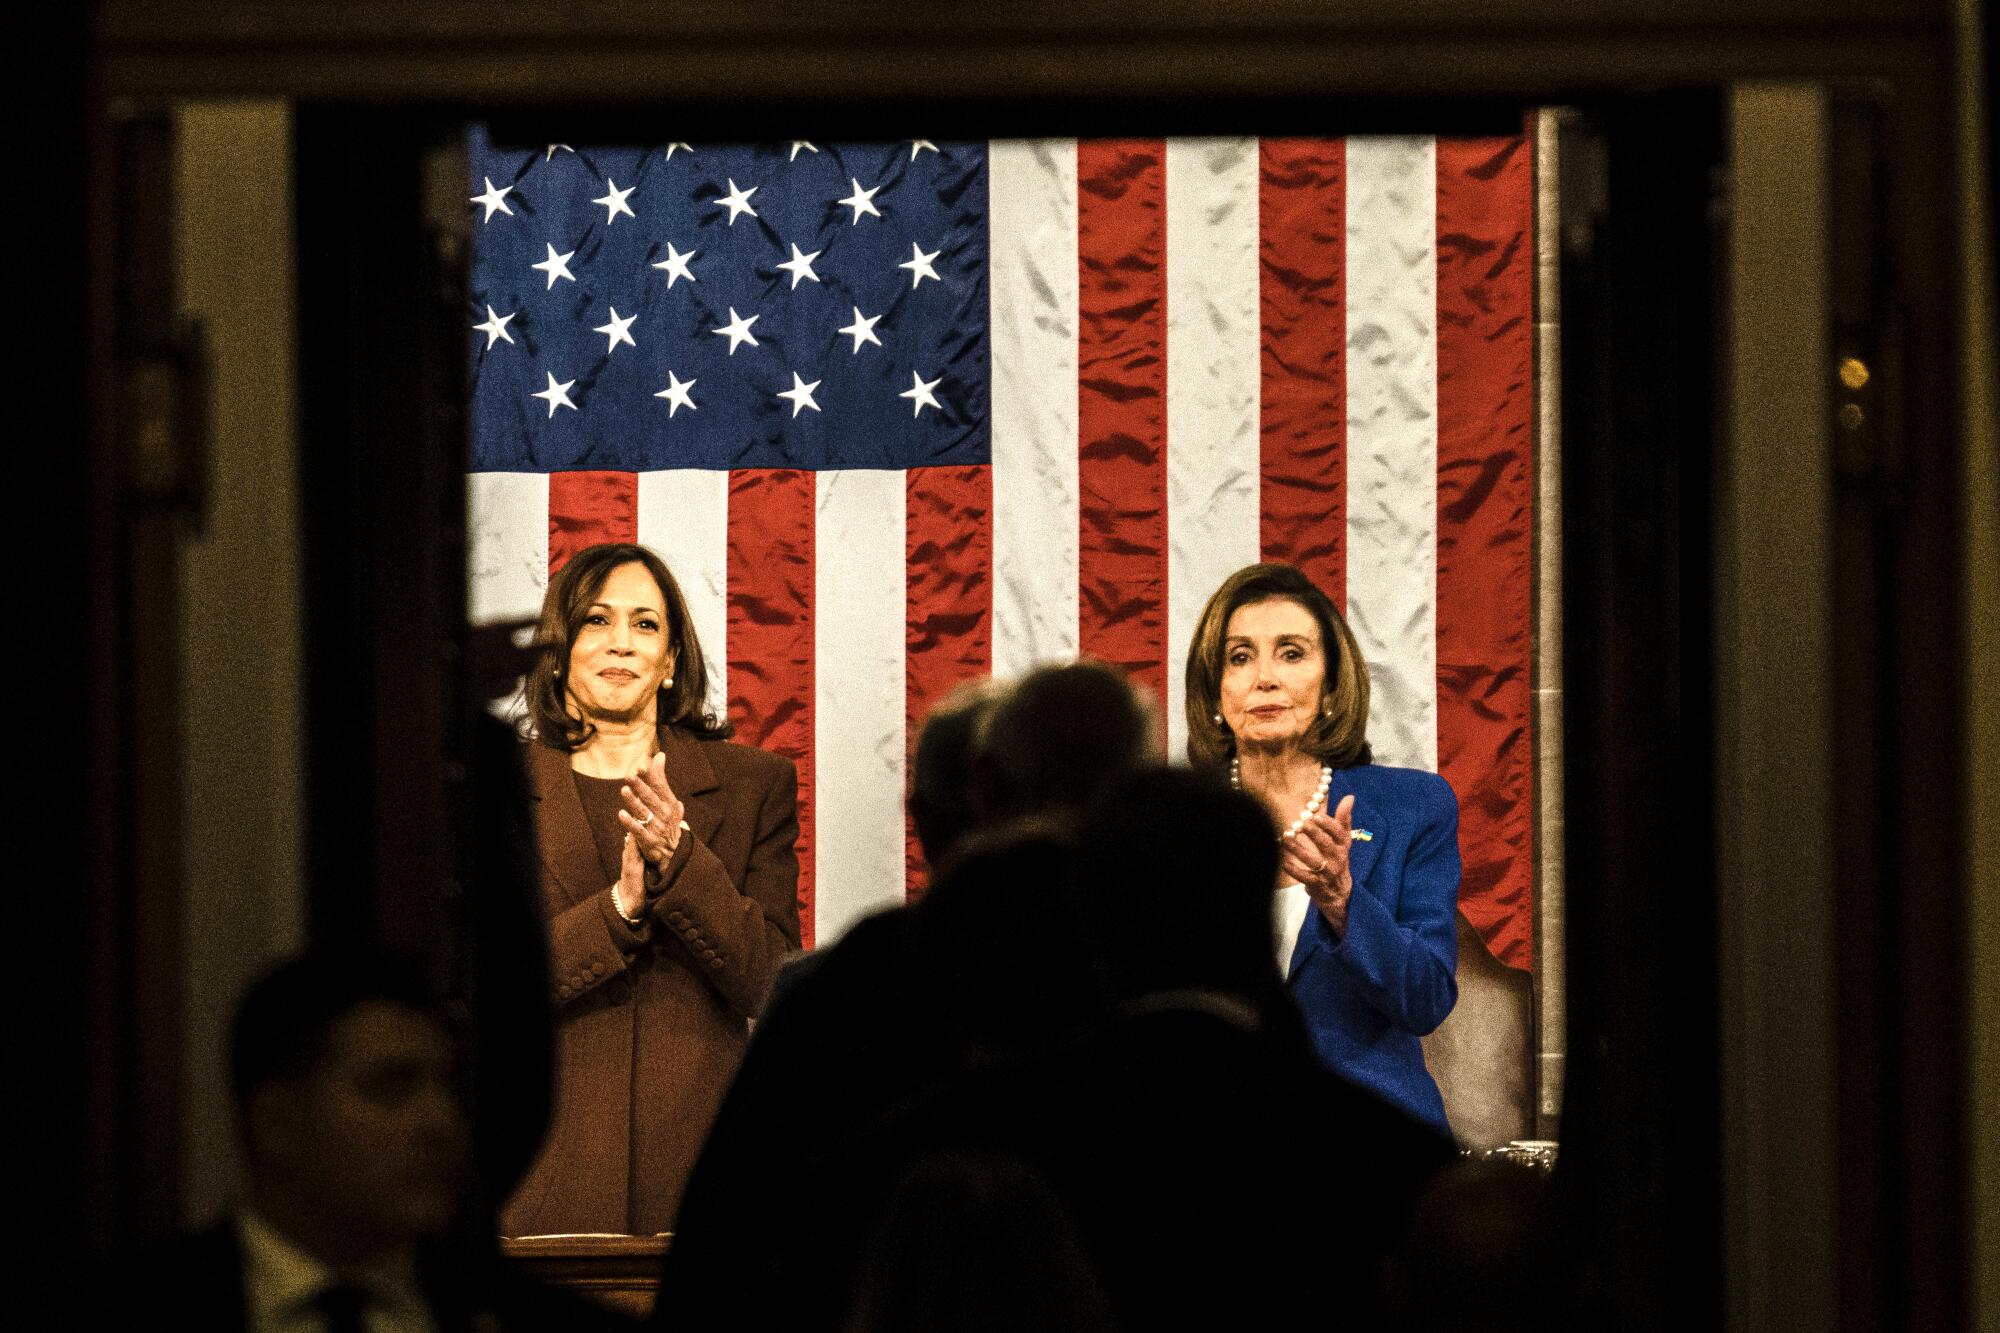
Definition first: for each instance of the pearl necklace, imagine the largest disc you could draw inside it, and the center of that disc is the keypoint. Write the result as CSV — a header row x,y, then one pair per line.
x,y
1312,806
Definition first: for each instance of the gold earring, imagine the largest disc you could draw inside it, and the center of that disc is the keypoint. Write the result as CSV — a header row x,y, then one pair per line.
x,y
1217,719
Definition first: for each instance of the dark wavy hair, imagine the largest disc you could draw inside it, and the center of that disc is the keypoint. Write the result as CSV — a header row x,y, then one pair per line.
x,y
1339,734
571,592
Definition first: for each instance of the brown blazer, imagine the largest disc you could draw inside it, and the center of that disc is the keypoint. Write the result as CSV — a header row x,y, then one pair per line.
x,y
651,1020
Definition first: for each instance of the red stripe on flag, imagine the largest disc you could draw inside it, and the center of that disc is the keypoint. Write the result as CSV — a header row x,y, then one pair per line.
x,y
1122,405
1485,547
586,508
771,634
949,535
1302,263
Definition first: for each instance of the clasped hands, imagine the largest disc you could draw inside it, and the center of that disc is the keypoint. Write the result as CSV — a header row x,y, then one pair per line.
x,y
1316,857
652,819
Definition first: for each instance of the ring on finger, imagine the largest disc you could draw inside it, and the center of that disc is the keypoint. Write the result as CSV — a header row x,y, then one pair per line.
x,y
647,820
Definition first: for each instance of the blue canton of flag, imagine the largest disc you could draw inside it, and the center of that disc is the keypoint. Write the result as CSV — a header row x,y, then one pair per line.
x,y
814,306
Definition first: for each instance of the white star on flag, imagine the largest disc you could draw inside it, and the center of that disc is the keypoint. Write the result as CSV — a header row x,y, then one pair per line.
x,y
918,146
737,202
617,331
862,330
495,328
861,201
495,200
676,394
557,395
552,150
919,265
798,144
675,265
672,146
613,200
556,266
920,391
737,330
800,266
800,393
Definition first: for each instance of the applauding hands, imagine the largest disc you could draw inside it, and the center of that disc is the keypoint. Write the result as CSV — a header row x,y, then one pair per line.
x,y
1316,856
652,819
652,814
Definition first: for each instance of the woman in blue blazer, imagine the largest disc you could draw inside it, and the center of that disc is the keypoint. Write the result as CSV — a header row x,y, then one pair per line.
x,y
1277,694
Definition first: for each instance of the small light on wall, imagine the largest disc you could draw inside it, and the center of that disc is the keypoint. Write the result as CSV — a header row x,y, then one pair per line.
x,y
1851,417
1853,372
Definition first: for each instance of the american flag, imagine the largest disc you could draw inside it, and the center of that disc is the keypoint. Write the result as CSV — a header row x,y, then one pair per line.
x,y
899,414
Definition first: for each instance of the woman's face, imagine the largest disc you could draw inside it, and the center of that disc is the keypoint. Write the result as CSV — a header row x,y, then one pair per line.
x,y
622,652
1273,672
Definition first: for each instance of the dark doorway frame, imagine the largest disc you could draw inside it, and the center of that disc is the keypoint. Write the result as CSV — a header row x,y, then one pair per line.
x,y
1640,743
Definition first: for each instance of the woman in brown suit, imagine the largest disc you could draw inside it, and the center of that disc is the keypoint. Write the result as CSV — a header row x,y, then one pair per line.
x,y
670,878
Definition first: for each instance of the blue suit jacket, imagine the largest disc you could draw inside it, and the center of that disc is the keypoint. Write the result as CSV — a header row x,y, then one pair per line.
x,y
1369,993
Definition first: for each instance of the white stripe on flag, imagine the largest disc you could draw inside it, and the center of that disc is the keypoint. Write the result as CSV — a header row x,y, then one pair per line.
x,y
859,590
1214,334
684,516
507,544
1031,189
1392,438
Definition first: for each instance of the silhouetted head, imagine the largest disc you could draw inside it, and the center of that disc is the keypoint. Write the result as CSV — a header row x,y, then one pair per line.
x,y
979,1241
1174,877
1002,930
1060,736
941,804
1485,1250
350,1120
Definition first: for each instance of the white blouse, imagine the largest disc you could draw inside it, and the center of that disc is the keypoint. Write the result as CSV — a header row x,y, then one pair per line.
x,y
1288,918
